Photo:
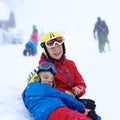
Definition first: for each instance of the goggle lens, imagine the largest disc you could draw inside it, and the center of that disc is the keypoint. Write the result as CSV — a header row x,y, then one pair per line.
x,y
47,66
51,43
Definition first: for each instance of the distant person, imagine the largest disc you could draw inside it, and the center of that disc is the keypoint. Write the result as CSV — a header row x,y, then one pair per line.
x,y
30,49
47,103
101,34
35,36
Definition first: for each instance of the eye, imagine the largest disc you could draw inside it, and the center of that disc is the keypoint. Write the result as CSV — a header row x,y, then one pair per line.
x,y
45,77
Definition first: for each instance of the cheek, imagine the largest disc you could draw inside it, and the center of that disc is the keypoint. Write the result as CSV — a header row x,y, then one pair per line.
x,y
56,52
43,80
51,51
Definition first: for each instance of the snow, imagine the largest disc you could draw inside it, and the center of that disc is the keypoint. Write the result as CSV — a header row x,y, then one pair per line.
x,y
100,71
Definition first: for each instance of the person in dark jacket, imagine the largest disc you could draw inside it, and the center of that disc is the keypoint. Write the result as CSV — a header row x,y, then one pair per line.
x,y
47,103
101,33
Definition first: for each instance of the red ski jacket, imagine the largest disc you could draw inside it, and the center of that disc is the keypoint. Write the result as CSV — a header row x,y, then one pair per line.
x,y
67,75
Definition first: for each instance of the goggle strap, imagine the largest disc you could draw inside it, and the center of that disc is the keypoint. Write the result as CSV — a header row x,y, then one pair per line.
x,y
33,72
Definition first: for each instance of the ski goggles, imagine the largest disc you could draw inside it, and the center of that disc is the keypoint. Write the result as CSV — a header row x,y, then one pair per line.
x,y
46,66
52,42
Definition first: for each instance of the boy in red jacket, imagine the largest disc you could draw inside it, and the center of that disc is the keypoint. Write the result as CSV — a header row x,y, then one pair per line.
x,y
68,79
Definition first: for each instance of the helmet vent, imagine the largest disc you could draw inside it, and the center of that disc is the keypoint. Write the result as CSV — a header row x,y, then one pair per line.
x,y
51,35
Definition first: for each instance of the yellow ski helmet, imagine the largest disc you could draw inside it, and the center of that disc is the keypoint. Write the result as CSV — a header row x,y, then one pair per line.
x,y
48,36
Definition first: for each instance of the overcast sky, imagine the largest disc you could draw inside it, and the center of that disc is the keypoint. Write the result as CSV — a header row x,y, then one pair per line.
x,y
52,13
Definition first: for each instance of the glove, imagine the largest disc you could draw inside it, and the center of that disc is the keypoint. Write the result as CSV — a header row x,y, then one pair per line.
x,y
92,115
33,76
89,104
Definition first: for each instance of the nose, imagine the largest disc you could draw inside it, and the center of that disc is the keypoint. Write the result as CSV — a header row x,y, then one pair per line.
x,y
49,80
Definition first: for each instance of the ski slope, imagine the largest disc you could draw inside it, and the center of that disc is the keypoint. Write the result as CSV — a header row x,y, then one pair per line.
x,y
100,72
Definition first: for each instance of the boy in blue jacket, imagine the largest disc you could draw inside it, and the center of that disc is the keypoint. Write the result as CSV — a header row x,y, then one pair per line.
x,y
47,103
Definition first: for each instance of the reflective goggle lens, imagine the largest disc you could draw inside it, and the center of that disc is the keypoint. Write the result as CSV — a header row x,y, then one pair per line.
x,y
51,43
47,66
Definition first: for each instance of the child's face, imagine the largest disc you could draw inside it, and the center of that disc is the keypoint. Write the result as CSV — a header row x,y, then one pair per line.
x,y
46,77
56,52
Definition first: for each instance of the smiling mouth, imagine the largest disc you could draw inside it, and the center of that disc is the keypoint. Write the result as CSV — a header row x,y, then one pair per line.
x,y
48,83
57,54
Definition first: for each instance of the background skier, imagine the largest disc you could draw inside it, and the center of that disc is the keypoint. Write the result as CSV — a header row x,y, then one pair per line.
x,y
30,49
101,33
35,36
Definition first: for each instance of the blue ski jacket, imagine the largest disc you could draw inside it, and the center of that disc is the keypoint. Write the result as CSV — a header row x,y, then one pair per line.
x,y
41,99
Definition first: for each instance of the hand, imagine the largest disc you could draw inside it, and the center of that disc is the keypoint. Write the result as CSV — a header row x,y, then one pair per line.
x,y
86,111
76,91
92,115
89,104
